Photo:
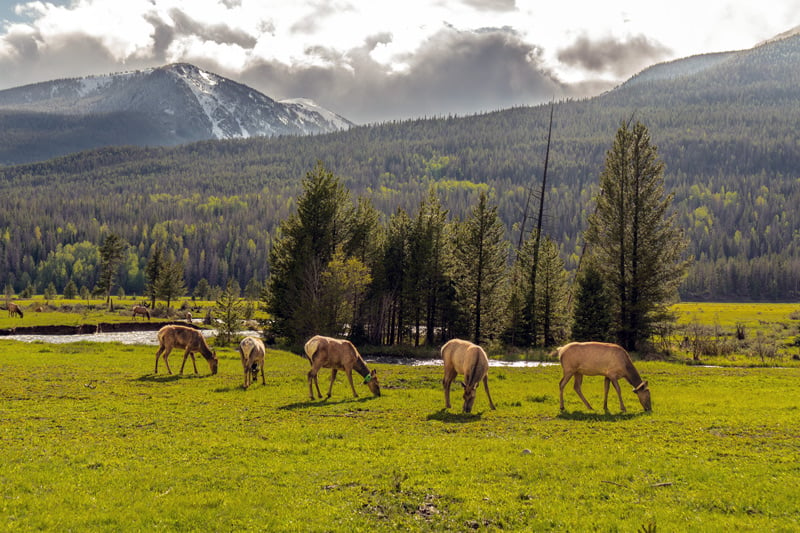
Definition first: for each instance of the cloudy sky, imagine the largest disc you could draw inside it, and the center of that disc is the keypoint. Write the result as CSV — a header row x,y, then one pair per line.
x,y
377,60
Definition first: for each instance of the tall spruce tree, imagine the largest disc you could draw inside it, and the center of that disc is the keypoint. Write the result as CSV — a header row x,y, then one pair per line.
x,y
309,238
153,271
111,257
633,237
481,255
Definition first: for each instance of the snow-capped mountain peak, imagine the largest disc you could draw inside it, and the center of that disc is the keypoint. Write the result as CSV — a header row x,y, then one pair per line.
x,y
180,101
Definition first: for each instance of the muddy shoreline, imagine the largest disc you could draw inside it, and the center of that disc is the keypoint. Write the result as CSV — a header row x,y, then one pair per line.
x,y
89,329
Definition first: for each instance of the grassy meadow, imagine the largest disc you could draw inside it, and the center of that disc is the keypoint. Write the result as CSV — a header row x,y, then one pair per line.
x,y
93,441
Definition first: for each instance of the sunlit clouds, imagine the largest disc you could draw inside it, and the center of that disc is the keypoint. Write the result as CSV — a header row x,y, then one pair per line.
x,y
374,60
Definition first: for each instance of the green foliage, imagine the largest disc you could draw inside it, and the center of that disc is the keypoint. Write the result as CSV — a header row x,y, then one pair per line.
x,y
633,237
103,444
230,312
481,258
591,319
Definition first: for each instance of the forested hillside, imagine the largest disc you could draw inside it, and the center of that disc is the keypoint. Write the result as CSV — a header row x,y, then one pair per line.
x,y
726,132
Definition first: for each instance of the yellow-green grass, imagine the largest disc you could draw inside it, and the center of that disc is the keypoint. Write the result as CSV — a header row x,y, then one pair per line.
x,y
728,315
93,441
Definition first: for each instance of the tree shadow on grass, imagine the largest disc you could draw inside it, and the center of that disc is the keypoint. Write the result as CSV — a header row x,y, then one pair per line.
x,y
324,402
443,415
598,417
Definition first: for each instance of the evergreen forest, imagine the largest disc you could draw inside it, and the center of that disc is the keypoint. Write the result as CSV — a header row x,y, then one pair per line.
x,y
727,136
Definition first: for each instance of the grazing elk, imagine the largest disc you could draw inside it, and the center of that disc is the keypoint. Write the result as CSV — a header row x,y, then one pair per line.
x,y
141,310
468,359
600,359
14,309
174,336
325,352
252,351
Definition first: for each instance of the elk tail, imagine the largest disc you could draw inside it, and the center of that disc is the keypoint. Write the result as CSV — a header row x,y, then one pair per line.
x,y
311,348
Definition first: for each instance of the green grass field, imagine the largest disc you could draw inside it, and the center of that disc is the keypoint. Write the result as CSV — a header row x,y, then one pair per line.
x,y
92,440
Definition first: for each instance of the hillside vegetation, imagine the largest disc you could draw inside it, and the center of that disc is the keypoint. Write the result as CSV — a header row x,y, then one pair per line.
x,y
727,133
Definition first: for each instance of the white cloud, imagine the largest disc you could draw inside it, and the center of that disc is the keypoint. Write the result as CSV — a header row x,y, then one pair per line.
x,y
359,51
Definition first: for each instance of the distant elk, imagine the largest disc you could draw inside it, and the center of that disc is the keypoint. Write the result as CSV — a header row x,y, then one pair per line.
x,y
600,359
174,336
325,352
252,351
468,359
14,309
141,310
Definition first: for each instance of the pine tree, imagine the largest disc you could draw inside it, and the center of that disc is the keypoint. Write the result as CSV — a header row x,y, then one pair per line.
x,y
153,272
111,256
170,284
481,254
551,295
308,240
230,309
591,319
633,237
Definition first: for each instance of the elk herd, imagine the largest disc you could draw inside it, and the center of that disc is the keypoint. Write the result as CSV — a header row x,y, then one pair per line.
x,y
459,357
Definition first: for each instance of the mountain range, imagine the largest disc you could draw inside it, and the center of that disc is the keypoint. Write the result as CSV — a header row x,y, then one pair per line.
x,y
163,106
725,126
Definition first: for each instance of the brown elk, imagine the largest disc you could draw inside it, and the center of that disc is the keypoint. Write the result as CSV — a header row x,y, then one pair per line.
x,y
468,359
14,309
252,351
141,310
174,336
600,359
325,352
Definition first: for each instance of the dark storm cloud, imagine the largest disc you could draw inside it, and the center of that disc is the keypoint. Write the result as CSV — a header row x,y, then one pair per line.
x,y
218,33
66,56
621,58
452,73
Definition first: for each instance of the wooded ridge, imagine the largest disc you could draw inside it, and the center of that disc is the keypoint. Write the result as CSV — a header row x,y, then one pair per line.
x,y
727,134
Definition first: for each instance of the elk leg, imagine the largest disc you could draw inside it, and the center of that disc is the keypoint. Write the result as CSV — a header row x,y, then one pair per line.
x,y
446,382
350,379
312,378
330,387
186,354
606,381
158,354
578,381
561,384
486,386
165,355
263,381
619,394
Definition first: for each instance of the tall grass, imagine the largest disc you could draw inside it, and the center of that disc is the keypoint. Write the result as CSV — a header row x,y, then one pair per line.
x,y
93,441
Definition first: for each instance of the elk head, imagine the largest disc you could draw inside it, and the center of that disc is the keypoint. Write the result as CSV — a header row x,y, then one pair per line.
x,y
643,392
371,381
469,396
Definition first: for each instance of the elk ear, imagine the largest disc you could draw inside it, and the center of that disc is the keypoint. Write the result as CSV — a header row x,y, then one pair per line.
x,y
373,373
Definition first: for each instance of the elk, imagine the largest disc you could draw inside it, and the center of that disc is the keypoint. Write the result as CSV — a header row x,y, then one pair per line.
x,y
252,351
141,310
174,336
325,352
600,359
468,359
14,309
